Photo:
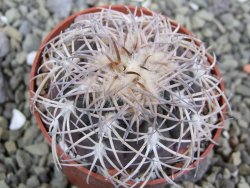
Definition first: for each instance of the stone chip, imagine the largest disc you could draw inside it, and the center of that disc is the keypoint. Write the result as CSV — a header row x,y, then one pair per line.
x,y
4,44
38,149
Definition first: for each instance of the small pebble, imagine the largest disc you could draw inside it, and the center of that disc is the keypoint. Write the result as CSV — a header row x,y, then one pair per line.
x,y
38,149
225,183
22,185
31,43
243,185
248,30
193,6
234,141
3,19
227,18
4,44
31,57
197,22
226,173
21,57
12,15
22,175
60,8
243,90
10,146
230,64
3,94
33,182
205,15
236,158
17,120
234,37
3,184
244,169
245,157
243,124
23,159
25,27
13,33
3,122
4,134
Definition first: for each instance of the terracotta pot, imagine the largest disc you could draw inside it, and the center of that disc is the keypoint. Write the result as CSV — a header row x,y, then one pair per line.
x,y
77,175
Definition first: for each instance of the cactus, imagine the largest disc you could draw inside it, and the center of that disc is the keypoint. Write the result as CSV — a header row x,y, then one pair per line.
x,y
128,97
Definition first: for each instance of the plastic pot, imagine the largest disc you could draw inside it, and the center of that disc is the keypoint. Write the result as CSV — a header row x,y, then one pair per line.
x,y
77,175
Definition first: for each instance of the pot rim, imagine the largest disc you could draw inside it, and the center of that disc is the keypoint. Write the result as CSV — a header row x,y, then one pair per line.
x,y
121,8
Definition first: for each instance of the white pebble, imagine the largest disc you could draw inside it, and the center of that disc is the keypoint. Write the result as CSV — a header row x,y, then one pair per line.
x,y
3,19
31,57
17,120
193,6
226,134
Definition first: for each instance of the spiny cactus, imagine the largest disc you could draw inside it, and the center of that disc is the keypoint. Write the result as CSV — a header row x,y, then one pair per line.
x,y
128,97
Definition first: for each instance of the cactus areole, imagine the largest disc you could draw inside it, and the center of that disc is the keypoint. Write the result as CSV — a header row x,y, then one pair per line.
x,y
126,98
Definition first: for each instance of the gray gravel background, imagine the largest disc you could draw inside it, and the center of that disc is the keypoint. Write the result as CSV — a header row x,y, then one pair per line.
x,y
224,25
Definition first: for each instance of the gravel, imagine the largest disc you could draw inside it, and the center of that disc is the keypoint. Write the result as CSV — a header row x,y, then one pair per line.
x,y
245,157
3,96
227,18
10,147
33,182
3,184
12,15
236,158
234,37
21,57
4,44
60,8
4,134
31,43
229,62
25,27
224,26
227,184
248,30
3,122
13,33
243,90
23,159
38,149
244,169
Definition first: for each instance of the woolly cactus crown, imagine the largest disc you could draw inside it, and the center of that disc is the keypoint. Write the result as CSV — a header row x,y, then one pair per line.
x,y
129,97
